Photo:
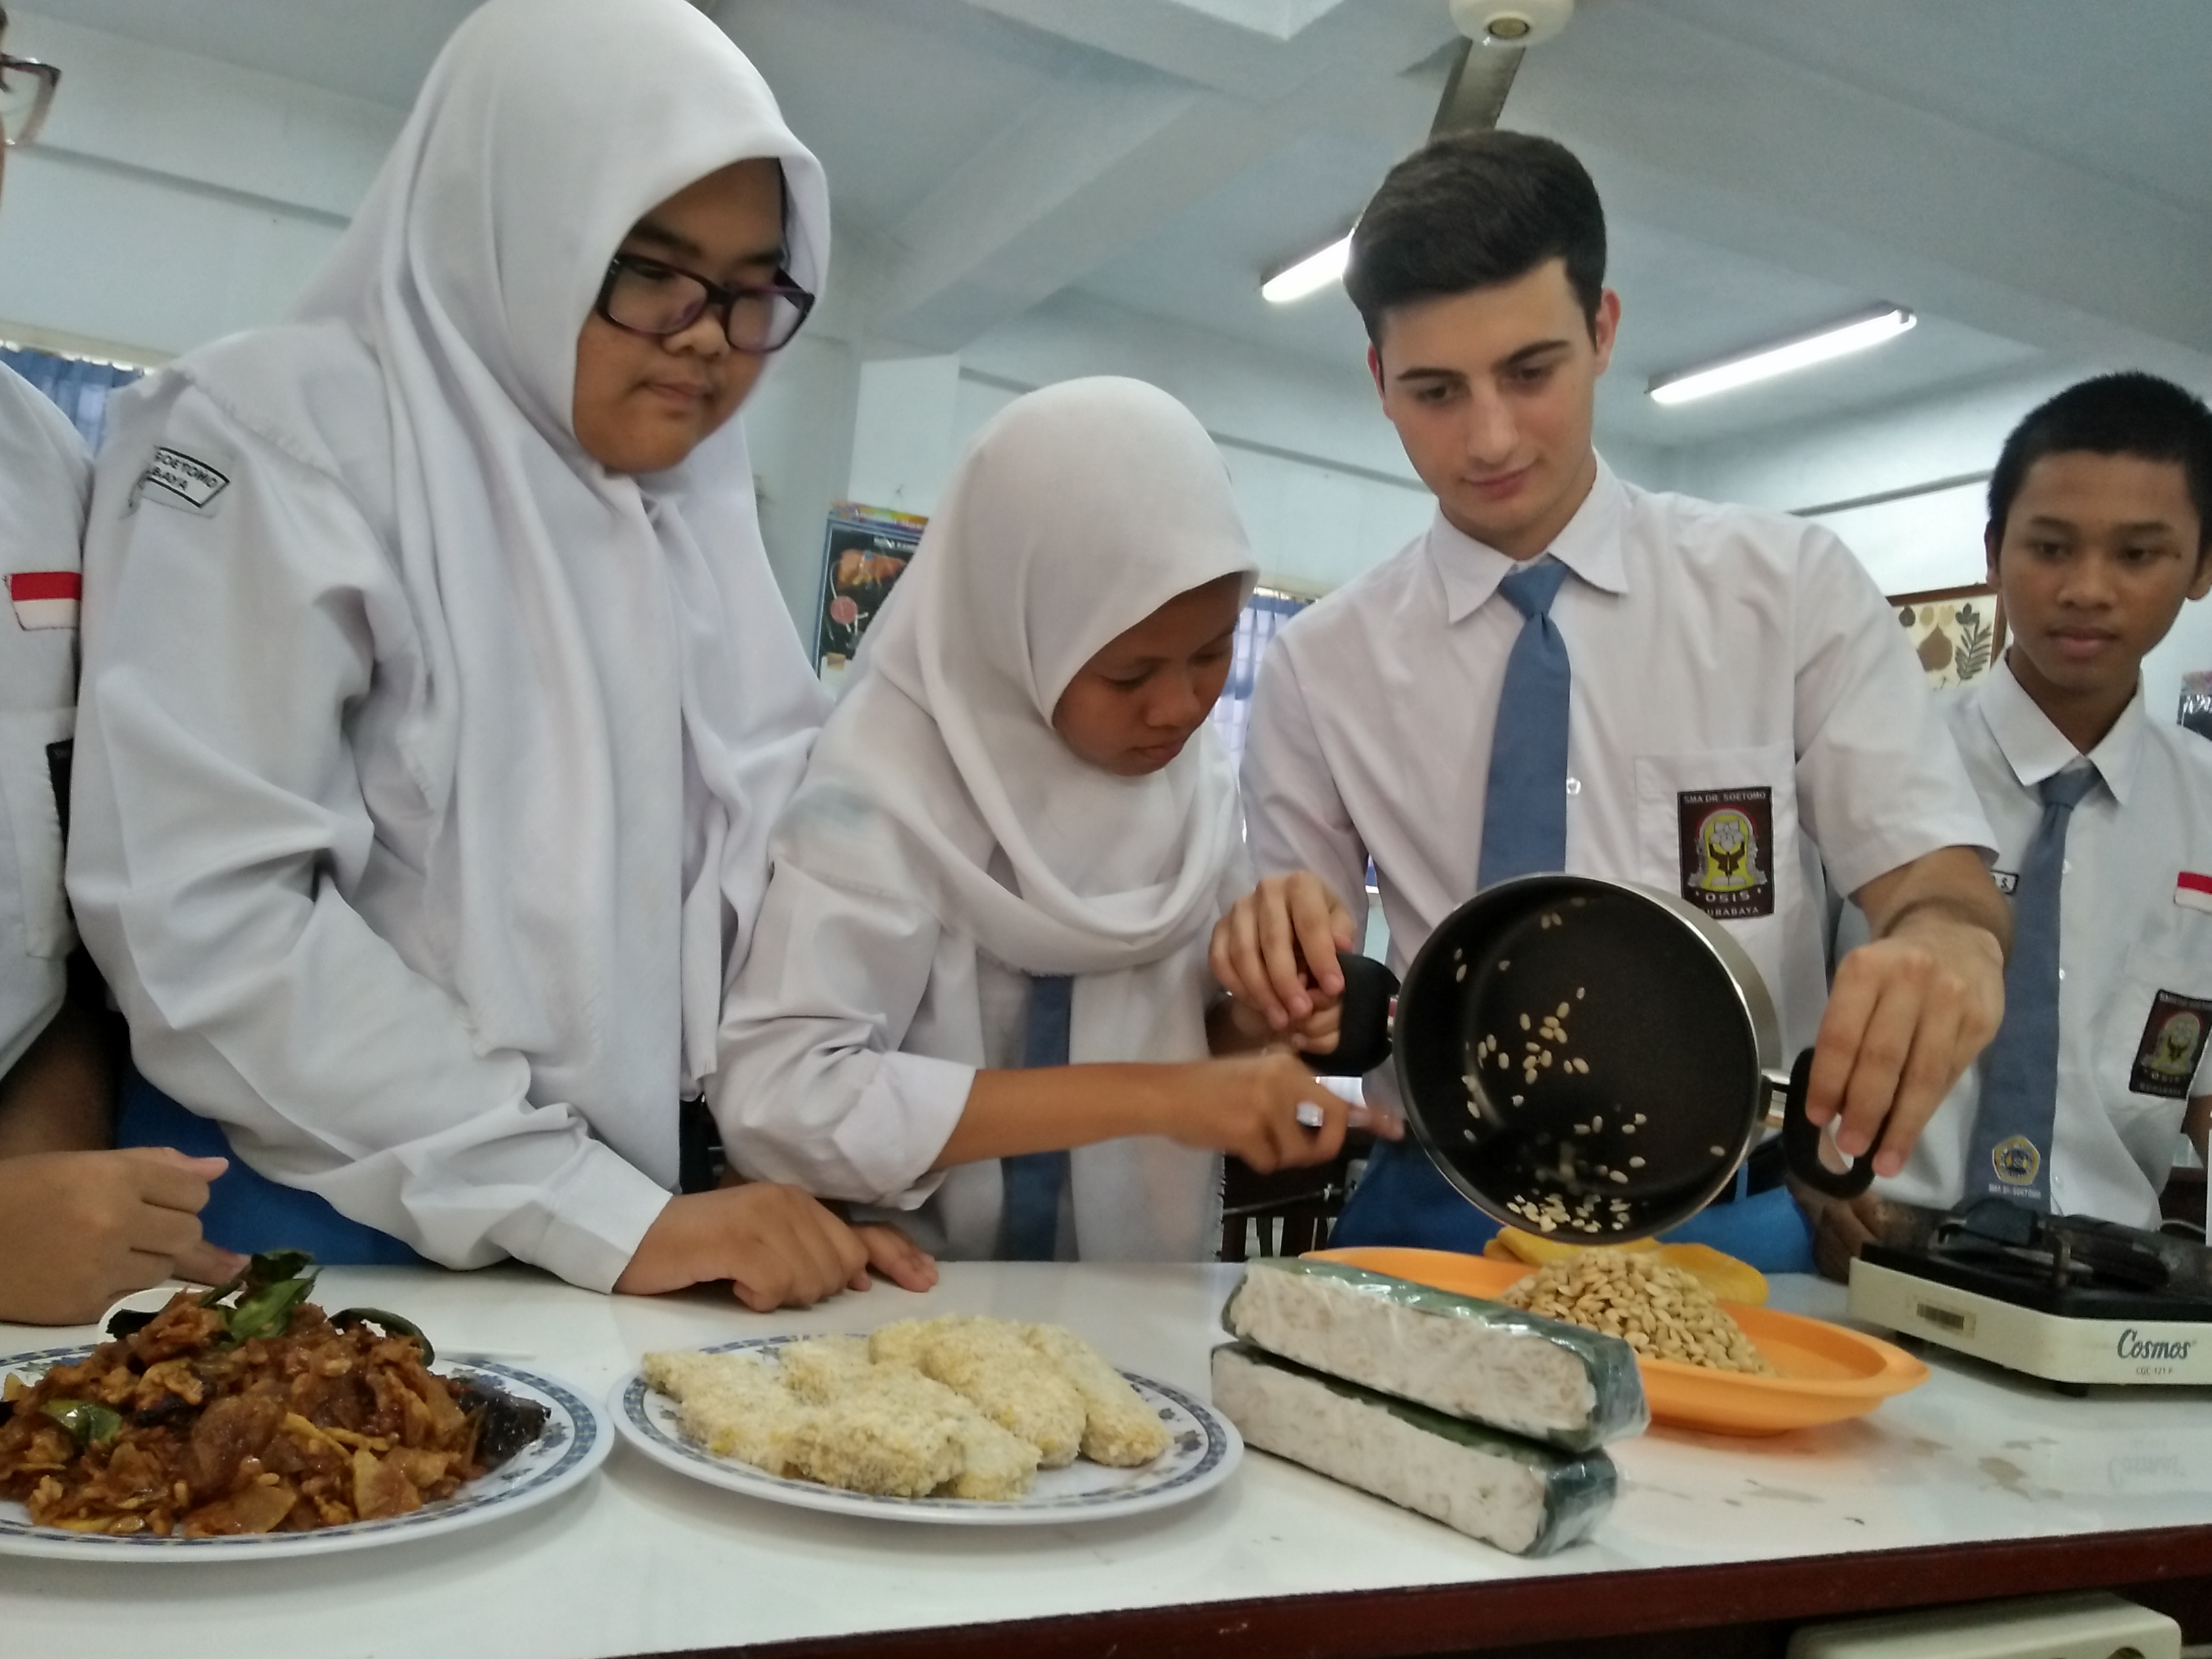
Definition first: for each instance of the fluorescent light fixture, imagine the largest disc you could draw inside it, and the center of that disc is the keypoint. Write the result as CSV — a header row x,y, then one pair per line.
x,y
1838,341
1310,275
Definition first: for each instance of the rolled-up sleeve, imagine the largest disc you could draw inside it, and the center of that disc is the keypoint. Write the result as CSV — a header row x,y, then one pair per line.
x,y
810,1085
1880,780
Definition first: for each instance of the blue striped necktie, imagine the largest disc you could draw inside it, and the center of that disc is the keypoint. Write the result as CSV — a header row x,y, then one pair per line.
x,y
2009,1153
1033,1182
1525,808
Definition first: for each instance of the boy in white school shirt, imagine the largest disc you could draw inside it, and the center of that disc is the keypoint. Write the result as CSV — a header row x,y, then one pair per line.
x,y
2099,530
79,1225
1719,663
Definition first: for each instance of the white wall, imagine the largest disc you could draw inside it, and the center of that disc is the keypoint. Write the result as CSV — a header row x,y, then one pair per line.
x,y
1325,491
171,198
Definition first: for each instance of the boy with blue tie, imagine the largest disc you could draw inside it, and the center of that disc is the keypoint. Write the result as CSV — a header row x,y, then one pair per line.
x,y
1566,672
2099,530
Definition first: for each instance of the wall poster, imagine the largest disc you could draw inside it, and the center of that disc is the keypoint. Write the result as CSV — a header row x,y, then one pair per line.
x,y
864,553
2196,702
1957,632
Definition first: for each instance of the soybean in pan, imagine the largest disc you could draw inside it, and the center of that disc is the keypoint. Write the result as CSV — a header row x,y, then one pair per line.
x,y
1581,1061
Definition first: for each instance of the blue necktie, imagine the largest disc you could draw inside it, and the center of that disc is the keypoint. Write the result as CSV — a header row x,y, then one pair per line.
x,y
2009,1155
1525,810
1401,1200
1029,1223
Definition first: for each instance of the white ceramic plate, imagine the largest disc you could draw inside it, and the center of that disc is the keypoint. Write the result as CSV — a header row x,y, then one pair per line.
x,y
575,1442
1203,1449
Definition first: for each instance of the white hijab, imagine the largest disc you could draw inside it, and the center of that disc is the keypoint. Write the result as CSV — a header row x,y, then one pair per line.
x,y
578,626
1078,512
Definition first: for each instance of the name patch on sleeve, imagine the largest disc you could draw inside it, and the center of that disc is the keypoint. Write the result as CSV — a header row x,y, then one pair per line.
x,y
2173,1042
1727,846
185,482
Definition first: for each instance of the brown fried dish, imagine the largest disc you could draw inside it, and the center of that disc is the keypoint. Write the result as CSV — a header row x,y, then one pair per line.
x,y
195,1424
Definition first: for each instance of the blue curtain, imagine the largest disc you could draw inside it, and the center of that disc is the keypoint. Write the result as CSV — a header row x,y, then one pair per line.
x,y
1265,613
78,387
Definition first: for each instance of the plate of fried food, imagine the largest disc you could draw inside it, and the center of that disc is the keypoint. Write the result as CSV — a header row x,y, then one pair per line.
x,y
245,1423
961,1420
1708,1360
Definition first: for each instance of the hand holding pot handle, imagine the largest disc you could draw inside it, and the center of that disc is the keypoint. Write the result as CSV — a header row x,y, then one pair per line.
x,y
1364,1036
1801,1142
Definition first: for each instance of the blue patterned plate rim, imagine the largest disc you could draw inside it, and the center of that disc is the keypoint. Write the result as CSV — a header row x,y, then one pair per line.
x,y
575,1442
1205,1451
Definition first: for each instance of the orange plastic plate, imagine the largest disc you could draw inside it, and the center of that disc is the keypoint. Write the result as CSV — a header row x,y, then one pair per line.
x,y
1828,1373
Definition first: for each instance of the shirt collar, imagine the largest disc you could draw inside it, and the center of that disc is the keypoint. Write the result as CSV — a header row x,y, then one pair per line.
x,y
1589,546
2036,749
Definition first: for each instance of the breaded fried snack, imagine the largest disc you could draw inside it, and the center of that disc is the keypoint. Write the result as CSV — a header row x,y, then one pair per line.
x,y
821,1367
887,1434
996,1465
854,1443
1525,1499
1473,1359
989,1362
733,1405
904,1342
1119,1429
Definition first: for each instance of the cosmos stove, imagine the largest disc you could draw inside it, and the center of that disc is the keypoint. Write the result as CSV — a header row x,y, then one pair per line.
x,y
2066,1299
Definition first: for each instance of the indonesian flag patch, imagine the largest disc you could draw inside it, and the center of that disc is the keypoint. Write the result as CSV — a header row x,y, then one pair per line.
x,y
48,599
2192,889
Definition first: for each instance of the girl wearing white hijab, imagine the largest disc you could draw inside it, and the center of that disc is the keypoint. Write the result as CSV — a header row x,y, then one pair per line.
x,y
438,700
1012,845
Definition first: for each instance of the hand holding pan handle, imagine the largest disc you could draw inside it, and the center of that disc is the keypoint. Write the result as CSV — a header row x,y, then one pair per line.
x,y
1363,1040
1801,1141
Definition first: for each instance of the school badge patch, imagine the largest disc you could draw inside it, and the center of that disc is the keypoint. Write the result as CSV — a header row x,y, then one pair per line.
x,y
2173,1042
1727,851
2015,1161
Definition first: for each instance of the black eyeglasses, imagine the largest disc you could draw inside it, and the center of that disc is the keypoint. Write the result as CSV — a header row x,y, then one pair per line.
x,y
648,297
26,92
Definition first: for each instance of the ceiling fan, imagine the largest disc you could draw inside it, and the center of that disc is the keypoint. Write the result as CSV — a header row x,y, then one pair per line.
x,y
1498,33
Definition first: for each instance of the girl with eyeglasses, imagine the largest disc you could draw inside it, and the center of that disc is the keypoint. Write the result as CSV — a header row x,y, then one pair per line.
x,y
437,698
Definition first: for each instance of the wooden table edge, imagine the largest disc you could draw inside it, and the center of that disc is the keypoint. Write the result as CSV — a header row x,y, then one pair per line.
x,y
1458,1618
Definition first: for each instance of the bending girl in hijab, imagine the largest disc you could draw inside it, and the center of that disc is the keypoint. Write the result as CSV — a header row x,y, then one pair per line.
x,y
1011,849
438,700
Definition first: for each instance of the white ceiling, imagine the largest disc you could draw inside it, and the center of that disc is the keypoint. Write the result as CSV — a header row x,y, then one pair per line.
x,y
2030,175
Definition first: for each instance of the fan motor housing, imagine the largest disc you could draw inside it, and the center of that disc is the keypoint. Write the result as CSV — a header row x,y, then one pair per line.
x,y
1511,22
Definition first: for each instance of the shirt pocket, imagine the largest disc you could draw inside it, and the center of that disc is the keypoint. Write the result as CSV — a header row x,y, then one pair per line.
x,y
1718,829
2155,1025
33,768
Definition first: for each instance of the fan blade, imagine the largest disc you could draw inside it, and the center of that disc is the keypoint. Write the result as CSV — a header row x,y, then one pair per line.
x,y
1474,92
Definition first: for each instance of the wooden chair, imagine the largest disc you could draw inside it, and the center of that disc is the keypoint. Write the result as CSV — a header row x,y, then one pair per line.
x,y
1290,1211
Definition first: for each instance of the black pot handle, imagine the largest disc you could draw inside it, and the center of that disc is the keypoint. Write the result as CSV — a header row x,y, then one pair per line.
x,y
1363,1040
1801,1143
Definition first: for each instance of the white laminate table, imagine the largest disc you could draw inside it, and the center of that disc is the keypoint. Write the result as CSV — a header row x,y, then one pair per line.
x,y
1977,1484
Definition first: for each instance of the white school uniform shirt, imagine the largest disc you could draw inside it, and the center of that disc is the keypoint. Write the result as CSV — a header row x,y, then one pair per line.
x,y
45,478
1725,661
2135,933
947,843
425,767
834,1076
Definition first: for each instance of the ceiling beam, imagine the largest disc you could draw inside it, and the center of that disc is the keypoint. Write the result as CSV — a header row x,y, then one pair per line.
x,y
1739,147
1107,160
